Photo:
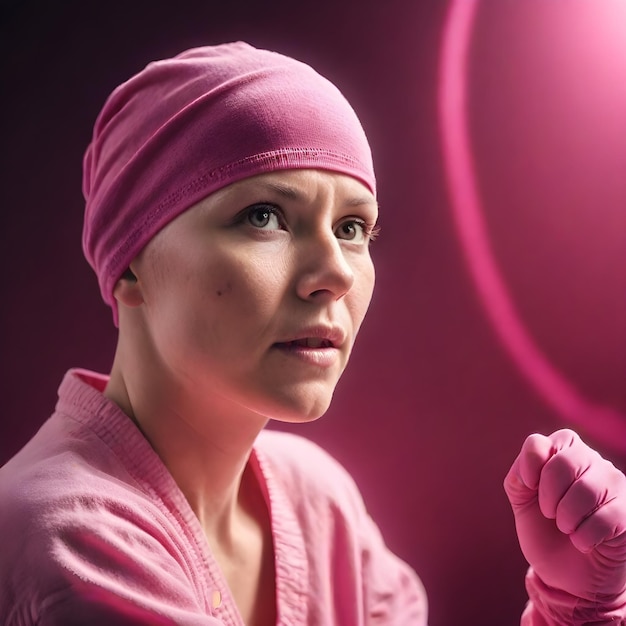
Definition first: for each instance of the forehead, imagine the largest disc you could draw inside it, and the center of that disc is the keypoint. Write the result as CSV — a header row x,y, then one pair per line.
x,y
304,185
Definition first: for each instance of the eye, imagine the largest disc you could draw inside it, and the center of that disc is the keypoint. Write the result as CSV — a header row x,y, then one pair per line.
x,y
264,216
352,230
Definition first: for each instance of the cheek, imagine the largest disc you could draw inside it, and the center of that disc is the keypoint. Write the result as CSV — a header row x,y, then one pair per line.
x,y
359,297
224,289
246,284
219,288
364,285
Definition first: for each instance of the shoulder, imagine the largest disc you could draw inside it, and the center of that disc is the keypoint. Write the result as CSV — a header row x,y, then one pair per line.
x,y
75,524
66,502
63,466
56,484
68,480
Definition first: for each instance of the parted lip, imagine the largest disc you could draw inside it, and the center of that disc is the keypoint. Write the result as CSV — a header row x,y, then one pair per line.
x,y
316,337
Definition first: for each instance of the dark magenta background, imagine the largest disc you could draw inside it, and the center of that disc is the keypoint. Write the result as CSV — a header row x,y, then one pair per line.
x,y
431,411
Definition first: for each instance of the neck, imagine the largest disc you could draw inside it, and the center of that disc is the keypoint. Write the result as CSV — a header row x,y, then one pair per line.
x,y
204,442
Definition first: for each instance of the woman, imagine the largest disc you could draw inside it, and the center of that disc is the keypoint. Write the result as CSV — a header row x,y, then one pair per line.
x,y
230,200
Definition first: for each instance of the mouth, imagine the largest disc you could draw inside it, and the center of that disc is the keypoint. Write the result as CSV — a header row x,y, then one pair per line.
x,y
320,348
308,342
314,338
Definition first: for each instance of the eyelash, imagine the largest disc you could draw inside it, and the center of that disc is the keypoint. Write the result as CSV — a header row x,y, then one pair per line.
x,y
247,213
369,232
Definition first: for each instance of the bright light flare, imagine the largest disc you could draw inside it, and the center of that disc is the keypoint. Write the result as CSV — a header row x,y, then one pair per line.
x,y
609,19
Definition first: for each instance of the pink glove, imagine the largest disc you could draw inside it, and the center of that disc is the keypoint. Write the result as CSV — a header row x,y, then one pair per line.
x,y
570,513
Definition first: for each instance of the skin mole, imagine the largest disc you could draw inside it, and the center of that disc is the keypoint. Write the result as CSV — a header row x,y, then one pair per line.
x,y
227,288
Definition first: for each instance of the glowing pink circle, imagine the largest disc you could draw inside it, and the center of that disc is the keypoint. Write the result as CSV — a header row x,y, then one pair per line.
x,y
604,423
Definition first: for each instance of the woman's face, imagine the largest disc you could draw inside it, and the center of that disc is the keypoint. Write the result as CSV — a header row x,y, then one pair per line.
x,y
254,296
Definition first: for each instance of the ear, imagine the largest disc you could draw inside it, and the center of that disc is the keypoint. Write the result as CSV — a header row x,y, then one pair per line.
x,y
128,290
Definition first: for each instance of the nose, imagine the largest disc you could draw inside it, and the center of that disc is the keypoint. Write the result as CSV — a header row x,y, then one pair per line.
x,y
324,270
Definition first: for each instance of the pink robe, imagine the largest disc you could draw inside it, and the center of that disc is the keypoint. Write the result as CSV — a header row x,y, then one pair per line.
x,y
95,531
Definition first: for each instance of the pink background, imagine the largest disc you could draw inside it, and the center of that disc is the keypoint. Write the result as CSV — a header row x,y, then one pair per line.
x,y
434,405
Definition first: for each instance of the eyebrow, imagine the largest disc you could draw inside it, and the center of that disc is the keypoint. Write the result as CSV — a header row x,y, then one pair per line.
x,y
292,193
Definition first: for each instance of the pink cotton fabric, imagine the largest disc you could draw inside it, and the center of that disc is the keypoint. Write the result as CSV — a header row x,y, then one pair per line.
x,y
553,607
95,531
185,127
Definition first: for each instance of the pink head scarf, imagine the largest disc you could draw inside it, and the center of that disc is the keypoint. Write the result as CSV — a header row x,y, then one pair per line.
x,y
185,127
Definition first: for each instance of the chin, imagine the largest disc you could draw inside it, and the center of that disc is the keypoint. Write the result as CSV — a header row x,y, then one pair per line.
x,y
294,412
297,419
